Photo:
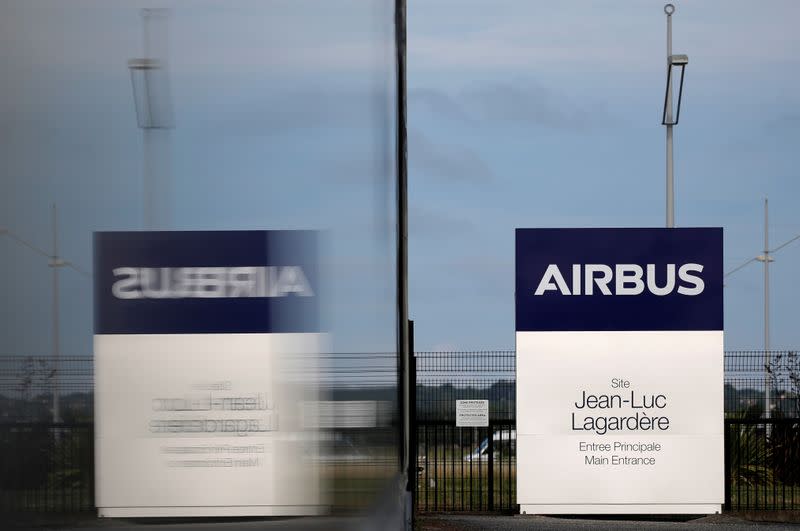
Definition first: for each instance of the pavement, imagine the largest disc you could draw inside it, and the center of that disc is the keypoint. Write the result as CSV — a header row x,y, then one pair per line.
x,y
385,521
455,522
386,514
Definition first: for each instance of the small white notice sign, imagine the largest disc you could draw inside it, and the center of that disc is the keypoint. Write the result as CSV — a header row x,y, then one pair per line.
x,y
472,413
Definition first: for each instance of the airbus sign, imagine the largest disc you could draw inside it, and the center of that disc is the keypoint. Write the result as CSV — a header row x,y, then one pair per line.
x,y
619,370
618,279
628,281
200,337
210,282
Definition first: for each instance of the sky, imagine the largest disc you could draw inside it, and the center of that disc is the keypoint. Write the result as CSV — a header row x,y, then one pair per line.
x,y
520,114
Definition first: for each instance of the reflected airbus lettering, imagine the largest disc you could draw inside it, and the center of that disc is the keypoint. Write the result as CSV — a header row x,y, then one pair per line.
x,y
210,282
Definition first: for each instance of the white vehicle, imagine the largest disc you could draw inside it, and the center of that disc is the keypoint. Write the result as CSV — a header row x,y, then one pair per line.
x,y
504,443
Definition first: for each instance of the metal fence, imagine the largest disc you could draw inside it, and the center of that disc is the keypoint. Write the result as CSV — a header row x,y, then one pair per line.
x,y
762,464
46,467
28,383
444,377
50,467
466,469
449,479
750,373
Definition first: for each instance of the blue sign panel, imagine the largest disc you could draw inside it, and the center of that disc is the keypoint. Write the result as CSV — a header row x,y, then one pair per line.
x,y
205,282
618,279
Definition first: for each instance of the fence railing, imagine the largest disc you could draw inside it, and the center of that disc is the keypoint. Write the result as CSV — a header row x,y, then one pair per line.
x,y
444,377
27,382
46,467
762,464
466,469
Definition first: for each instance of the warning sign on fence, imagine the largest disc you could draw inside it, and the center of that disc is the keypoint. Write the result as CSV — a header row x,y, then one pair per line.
x,y
472,413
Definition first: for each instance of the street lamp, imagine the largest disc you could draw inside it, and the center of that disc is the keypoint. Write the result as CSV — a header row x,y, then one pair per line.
x,y
673,63
152,101
56,262
766,259
150,96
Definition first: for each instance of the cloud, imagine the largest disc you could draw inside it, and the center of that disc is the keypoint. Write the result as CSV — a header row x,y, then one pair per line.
x,y
436,102
436,224
783,124
277,112
451,162
524,104
519,104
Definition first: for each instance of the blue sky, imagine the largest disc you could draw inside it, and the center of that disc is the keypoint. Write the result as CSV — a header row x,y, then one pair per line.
x,y
521,114
535,114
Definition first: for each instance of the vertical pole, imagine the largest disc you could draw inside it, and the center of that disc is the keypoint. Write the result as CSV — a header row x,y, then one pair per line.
x,y
669,9
402,210
727,441
156,147
490,471
55,263
767,357
148,184
413,472
91,464
406,390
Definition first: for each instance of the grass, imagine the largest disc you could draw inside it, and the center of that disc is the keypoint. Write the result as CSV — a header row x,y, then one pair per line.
x,y
448,486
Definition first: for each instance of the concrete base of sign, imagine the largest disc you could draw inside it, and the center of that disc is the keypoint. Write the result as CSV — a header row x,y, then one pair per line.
x,y
688,508
176,512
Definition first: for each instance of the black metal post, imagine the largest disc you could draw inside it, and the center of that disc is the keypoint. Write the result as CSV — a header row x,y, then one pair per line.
x,y
402,236
93,475
727,436
412,411
490,472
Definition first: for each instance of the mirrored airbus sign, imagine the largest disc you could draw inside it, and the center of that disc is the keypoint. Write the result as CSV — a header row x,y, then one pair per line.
x,y
202,343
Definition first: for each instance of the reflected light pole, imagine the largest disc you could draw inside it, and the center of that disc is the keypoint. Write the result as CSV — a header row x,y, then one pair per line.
x,y
55,262
152,101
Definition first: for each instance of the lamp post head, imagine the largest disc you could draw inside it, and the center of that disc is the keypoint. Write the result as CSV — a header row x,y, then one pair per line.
x,y
151,94
679,60
675,61
144,63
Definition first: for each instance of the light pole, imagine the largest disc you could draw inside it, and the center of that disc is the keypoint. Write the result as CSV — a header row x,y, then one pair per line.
x,y
667,116
152,101
55,262
766,258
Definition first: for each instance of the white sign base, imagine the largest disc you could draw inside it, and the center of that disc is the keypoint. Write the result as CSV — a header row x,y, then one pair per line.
x,y
627,508
573,387
205,425
211,512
